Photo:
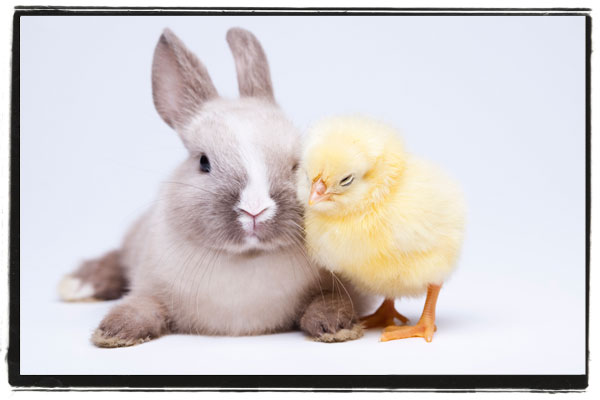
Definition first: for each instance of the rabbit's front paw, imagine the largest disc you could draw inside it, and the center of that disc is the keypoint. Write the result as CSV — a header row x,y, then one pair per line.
x,y
331,319
108,339
135,321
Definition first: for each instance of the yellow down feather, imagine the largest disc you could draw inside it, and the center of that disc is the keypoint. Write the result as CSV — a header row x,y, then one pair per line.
x,y
397,227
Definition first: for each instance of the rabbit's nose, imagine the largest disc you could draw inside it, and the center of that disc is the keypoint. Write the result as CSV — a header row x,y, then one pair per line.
x,y
254,216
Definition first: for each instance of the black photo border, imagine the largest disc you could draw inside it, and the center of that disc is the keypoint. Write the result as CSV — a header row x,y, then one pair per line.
x,y
272,382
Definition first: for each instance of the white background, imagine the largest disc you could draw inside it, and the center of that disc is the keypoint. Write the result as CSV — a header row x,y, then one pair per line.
x,y
498,101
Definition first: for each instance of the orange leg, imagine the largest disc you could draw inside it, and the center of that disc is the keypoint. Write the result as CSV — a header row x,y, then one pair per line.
x,y
384,316
426,325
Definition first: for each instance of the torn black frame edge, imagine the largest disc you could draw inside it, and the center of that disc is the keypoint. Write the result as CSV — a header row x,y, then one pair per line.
x,y
336,383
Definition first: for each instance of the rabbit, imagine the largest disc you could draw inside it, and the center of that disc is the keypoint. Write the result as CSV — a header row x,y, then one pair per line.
x,y
222,252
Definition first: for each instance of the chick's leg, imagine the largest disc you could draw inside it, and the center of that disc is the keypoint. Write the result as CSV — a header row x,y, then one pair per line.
x,y
384,316
426,325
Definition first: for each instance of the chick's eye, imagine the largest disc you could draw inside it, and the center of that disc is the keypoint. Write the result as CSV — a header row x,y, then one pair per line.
x,y
347,180
204,164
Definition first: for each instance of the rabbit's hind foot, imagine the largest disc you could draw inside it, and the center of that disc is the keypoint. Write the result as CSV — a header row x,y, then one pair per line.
x,y
102,278
71,288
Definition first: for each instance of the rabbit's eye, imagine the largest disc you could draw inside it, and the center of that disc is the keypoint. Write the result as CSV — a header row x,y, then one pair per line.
x,y
295,167
204,164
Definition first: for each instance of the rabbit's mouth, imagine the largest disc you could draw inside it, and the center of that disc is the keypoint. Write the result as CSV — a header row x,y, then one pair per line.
x,y
256,235
253,243
262,236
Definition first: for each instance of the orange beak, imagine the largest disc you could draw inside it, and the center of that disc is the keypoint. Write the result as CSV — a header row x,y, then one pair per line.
x,y
318,193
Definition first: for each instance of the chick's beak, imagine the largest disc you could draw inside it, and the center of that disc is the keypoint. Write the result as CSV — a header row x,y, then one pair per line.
x,y
318,192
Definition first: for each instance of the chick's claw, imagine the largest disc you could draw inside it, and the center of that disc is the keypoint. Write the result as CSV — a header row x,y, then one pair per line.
x,y
384,316
421,329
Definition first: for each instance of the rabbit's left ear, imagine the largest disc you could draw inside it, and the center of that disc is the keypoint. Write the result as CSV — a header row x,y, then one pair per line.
x,y
180,82
254,78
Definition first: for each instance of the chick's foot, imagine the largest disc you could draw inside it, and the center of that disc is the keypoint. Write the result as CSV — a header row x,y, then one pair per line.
x,y
421,329
426,325
384,316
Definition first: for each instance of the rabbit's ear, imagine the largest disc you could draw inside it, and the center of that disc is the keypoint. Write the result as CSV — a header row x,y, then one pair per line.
x,y
180,82
254,78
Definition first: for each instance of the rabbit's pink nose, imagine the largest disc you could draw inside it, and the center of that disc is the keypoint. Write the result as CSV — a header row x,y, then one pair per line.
x,y
254,216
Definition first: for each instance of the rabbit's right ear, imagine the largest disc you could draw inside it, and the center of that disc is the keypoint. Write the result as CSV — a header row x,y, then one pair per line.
x,y
254,78
180,82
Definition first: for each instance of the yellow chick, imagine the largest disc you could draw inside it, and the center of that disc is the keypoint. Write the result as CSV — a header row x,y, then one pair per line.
x,y
390,222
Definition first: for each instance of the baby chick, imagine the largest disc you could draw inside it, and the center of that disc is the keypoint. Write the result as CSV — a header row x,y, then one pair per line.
x,y
390,222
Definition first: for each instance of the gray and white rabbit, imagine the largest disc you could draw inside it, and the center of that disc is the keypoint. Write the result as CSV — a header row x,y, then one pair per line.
x,y
222,252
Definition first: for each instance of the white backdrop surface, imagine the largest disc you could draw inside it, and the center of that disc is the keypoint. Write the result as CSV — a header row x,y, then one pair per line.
x,y
497,101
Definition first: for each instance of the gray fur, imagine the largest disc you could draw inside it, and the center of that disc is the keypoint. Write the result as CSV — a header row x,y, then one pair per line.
x,y
189,262
254,77
180,82
106,274
212,222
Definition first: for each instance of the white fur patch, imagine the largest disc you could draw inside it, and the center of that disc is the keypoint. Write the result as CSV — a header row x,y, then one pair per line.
x,y
255,198
72,289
